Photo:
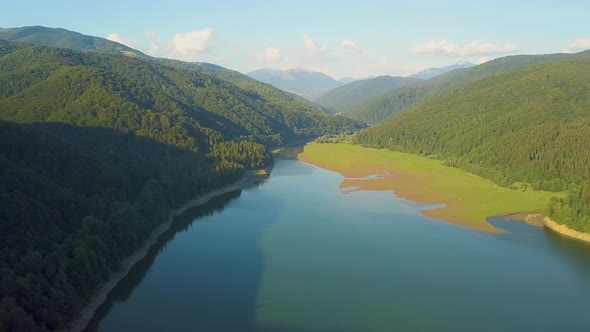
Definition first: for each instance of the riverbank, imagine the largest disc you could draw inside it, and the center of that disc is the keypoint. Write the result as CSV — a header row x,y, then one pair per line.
x,y
468,200
566,231
251,179
533,219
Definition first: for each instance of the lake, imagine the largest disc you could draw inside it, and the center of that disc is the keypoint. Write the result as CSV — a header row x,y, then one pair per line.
x,y
298,254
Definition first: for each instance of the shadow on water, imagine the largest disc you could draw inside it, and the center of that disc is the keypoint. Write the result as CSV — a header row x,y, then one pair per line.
x,y
182,223
574,251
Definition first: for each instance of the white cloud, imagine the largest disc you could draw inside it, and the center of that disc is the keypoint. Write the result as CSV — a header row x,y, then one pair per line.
x,y
475,48
435,47
121,40
314,49
270,54
188,45
350,45
580,44
482,59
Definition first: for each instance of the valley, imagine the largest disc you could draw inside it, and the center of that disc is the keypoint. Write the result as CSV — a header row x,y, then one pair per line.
x,y
347,171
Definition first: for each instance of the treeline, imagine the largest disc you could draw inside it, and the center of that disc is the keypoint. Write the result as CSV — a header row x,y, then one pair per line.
x,y
574,210
529,127
334,139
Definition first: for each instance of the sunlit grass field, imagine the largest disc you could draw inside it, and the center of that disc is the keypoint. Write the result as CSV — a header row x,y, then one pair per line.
x,y
469,200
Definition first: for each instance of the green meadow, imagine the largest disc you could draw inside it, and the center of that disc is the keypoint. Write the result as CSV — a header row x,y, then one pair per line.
x,y
469,200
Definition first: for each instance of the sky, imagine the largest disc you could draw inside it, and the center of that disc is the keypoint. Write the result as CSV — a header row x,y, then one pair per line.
x,y
340,38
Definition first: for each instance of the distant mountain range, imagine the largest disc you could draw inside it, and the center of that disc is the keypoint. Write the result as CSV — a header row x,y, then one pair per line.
x,y
346,80
306,83
344,98
433,72
382,107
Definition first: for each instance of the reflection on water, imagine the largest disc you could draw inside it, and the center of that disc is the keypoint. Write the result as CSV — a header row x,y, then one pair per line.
x,y
182,223
296,255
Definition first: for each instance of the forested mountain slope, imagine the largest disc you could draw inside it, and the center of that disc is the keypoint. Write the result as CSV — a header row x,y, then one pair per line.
x,y
181,107
380,108
96,148
76,201
343,98
528,125
63,38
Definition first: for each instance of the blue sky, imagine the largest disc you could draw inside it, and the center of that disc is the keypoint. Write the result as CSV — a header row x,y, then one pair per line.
x,y
340,38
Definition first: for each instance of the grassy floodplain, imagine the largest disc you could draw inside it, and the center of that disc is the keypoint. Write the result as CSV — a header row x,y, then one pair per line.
x,y
469,200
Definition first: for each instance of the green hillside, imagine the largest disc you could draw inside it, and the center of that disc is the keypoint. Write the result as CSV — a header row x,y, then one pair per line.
x,y
380,108
75,202
66,39
528,125
76,41
95,150
344,98
182,107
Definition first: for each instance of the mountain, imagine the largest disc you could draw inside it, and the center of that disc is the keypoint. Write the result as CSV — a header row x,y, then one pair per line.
x,y
50,84
73,40
66,39
346,80
380,108
344,98
529,126
96,149
306,83
432,72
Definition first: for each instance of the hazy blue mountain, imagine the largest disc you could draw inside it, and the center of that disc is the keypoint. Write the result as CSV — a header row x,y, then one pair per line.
x,y
346,97
433,72
306,83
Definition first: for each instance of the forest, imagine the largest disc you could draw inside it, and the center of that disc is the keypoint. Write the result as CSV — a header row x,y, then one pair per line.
x,y
526,128
95,149
380,108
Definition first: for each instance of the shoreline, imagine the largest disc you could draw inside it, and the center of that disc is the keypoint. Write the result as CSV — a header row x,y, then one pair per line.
x,y
566,231
100,297
530,218
467,200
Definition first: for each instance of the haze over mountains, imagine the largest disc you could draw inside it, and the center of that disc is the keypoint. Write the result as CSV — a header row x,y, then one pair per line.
x,y
346,97
433,72
306,83
100,141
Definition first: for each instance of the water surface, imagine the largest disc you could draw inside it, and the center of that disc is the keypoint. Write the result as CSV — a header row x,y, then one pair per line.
x,y
298,254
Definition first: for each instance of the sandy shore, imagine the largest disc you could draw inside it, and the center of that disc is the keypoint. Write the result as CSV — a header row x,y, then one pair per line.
x,y
86,315
533,219
564,230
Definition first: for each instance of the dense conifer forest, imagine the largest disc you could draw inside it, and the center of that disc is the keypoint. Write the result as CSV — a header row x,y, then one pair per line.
x,y
95,149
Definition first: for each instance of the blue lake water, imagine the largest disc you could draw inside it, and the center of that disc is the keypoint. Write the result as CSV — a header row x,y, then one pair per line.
x,y
297,254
